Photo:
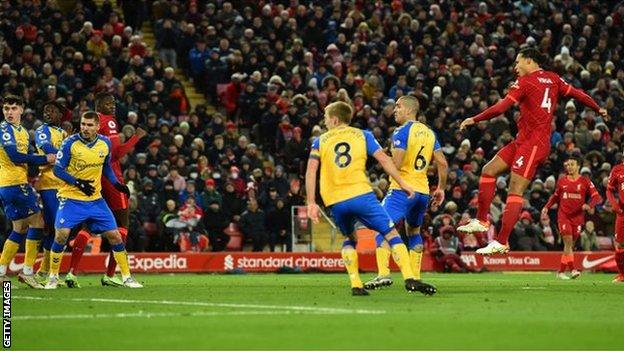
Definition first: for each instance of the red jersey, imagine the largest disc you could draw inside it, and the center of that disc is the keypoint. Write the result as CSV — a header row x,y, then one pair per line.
x,y
110,128
537,93
616,186
571,195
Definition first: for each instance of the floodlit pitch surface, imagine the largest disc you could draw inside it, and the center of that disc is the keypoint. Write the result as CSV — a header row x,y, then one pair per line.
x,y
312,311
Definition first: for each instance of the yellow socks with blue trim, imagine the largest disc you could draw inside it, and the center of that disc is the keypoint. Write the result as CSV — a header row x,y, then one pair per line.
x,y
415,244
382,254
56,256
33,237
121,257
401,257
350,259
44,268
11,245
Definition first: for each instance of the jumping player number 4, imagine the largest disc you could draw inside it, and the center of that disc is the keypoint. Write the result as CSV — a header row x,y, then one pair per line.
x,y
546,102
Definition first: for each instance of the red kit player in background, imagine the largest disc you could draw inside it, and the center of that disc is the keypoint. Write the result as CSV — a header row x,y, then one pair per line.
x,y
116,200
616,187
571,196
537,92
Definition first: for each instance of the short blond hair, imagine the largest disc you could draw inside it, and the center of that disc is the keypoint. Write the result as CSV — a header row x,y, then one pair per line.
x,y
410,102
341,110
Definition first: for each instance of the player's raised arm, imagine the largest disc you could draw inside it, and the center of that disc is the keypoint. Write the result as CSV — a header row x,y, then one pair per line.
x,y
581,96
10,146
123,149
374,149
495,110
310,181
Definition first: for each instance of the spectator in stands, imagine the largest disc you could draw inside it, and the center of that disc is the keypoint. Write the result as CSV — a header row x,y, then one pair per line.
x,y
252,223
215,222
447,251
588,240
279,226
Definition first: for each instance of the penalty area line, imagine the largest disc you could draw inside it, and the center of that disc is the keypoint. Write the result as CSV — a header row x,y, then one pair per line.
x,y
326,310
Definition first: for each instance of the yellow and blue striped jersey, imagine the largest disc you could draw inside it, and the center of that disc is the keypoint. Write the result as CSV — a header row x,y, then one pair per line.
x,y
343,152
85,160
419,143
49,139
13,136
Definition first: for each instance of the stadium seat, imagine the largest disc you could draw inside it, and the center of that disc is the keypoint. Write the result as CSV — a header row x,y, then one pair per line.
x,y
605,242
150,228
236,238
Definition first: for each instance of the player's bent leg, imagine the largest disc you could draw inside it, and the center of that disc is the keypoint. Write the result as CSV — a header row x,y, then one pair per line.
x,y
121,256
11,246
382,256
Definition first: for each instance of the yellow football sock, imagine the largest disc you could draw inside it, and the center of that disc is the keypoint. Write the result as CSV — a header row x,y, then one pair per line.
x,y
44,267
32,249
415,260
402,259
382,254
350,259
121,257
8,252
55,263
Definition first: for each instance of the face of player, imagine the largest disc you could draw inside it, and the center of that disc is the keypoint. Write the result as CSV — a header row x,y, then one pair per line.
x,y
330,122
52,115
572,167
88,128
12,113
401,112
520,65
107,106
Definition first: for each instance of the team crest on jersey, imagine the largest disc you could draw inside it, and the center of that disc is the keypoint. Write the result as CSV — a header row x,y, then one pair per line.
x,y
43,136
6,136
515,85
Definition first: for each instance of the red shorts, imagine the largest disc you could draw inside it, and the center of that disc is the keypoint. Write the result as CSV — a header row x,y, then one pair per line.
x,y
524,158
619,229
115,199
567,227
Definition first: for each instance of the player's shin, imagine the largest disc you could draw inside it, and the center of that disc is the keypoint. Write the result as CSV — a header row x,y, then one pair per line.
x,y
121,256
78,247
487,190
400,255
513,207
11,245
56,256
415,244
112,264
619,259
44,267
382,254
350,259
33,237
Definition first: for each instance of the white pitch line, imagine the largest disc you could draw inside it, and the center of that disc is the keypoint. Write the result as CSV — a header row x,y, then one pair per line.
x,y
160,314
215,304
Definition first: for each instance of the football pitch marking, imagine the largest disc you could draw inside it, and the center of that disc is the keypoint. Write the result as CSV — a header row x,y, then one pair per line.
x,y
286,308
142,314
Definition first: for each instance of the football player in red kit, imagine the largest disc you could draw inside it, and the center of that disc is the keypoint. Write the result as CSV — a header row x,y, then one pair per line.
x,y
571,196
615,195
116,200
537,92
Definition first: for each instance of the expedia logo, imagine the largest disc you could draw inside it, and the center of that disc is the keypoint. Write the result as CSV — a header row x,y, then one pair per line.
x,y
157,263
228,263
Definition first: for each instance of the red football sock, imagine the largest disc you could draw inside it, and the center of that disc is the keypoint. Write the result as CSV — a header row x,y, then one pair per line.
x,y
487,190
619,260
513,207
78,246
564,264
112,264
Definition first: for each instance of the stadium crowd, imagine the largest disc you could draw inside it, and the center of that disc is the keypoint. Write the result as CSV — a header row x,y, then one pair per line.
x,y
271,67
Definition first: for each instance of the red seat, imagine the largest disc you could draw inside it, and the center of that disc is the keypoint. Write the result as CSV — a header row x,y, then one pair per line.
x,y
150,228
605,242
236,238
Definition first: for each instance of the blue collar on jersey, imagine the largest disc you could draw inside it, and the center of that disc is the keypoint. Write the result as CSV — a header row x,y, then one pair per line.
x,y
18,127
88,143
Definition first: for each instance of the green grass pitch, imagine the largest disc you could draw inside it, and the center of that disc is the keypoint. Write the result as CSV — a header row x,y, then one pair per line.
x,y
314,311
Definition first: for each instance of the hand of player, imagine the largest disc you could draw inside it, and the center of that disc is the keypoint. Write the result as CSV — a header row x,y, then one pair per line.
x,y
438,197
586,207
51,158
408,189
603,112
467,122
140,132
313,212
123,188
85,186
544,212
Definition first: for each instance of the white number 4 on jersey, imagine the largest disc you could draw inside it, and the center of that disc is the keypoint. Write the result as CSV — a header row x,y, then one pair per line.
x,y
546,101
519,162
